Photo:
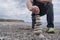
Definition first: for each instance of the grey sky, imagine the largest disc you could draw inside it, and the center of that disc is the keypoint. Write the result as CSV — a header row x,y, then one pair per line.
x,y
17,9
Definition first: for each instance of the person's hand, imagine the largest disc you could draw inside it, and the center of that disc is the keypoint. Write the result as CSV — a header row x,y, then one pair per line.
x,y
35,9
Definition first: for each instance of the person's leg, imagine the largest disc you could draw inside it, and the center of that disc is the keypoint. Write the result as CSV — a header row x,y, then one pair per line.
x,y
36,17
50,18
33,20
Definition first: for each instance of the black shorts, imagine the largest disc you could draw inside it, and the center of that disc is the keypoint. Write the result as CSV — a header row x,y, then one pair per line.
x,y
44,7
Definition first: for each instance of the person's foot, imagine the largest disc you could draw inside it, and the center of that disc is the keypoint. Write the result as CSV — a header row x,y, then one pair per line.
x,y
50,30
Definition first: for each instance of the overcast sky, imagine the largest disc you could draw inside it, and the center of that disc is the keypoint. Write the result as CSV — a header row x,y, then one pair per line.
x,y
17,9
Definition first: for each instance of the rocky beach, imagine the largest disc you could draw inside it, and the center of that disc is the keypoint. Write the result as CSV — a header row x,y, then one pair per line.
x,y
23,31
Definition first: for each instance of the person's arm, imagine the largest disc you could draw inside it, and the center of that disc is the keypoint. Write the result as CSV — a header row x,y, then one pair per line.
x,y
45,0
49,0
29,4
34,9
